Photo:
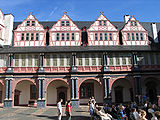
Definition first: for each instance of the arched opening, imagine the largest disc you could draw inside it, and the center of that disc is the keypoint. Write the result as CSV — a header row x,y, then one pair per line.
x,y
122,91
151,89
1,93
90,88
57,90
25,93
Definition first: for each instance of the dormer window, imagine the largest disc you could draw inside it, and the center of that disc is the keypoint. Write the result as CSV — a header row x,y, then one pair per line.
x,y
62,23
141,35
62,37
57,38
128,36
135,23
131,23
33,23
72,36
100,36
137,36
32,36
27,36
37,36
28,23
67,23
100,22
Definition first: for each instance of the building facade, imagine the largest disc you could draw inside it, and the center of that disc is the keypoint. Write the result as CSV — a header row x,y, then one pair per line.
x,y
45,61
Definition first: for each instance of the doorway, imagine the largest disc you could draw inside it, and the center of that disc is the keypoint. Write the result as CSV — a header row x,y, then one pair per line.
x,y
62,94
118,94
16,97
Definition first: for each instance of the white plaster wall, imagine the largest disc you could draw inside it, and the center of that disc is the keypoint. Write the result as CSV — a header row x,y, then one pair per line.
x,y
126,86
24,87
98,92
52,91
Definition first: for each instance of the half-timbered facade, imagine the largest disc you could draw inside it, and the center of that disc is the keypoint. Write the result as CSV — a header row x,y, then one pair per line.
x,y
30,33
134,33
102,32
65,33
79,59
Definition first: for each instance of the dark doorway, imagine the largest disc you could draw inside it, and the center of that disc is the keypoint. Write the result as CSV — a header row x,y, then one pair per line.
x,y
62,94
16,97
151,92
118,94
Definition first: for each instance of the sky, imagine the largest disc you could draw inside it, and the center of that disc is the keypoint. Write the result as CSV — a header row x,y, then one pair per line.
x,y
83,10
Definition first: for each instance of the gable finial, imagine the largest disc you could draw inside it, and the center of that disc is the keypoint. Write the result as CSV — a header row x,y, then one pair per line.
x,y
101,12
132,15
31,13
65,13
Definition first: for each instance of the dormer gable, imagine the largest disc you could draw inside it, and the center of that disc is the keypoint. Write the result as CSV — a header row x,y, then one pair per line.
x,y
30,33
102,24
102,32
64,24
133,25
133,33
30,24
65,33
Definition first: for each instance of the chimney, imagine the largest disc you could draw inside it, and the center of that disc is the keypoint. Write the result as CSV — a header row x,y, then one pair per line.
x,y
154,30
126,18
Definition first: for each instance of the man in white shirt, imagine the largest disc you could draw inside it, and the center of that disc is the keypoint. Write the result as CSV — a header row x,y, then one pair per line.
x,y
59,107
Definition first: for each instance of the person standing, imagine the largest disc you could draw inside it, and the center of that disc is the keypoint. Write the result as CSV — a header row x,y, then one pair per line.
x,y
59,107
68,110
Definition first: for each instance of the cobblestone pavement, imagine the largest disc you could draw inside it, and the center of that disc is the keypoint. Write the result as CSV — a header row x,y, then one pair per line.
x,y
48,113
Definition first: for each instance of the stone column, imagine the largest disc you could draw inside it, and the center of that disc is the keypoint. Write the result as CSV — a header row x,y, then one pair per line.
x,y
10,64
41,62
8,96
107,90
41,94
75,99
74,67
138,89
105,62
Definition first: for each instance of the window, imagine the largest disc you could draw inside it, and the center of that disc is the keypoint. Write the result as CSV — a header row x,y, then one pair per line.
x,y
62,37
23,60
129,60
123,61
135,23
28,23
67,23
62,23
72,36
100,22
86,90
80,61
99,60
105,36
68,60
104,23
33,23
27,36
30,60
47,60
57,38
137,36
128,36
100,36
110,36
111,61
93,60
96,36
16,60
133,36
61,60
131,23
67,37
36,58
32,36
22,36
141,35
117,60
86,60
32,92
37,36
54,60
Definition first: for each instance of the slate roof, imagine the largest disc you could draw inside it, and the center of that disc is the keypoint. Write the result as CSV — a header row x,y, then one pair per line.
x,y
80,24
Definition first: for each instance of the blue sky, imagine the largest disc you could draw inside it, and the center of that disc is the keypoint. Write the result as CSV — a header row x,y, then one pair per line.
x,y
83,10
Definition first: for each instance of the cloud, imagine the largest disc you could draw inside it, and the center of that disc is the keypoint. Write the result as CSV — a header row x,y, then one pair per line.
x,y
53,11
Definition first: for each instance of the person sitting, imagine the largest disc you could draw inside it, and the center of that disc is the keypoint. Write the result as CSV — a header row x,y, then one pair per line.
x,y
143,115
103,116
